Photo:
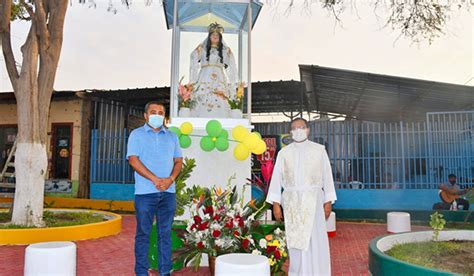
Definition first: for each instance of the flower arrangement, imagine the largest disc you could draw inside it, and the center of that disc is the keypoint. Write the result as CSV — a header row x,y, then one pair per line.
x,y
237,101
185,92
273,246
220,224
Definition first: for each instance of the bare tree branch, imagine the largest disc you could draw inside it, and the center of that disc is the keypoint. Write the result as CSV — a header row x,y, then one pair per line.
x,y
50,58
5,37
28,8
41,19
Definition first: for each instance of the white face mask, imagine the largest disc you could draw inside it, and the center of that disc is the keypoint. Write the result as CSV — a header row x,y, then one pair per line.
x,y
299,135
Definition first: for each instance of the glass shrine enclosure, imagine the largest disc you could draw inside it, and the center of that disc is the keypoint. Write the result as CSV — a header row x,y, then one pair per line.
x,y
210,81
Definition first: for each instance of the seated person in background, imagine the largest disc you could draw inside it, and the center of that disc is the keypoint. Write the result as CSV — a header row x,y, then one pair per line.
x,y
450,195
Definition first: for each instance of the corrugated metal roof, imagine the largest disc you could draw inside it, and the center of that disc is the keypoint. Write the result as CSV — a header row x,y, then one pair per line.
x,y
375,97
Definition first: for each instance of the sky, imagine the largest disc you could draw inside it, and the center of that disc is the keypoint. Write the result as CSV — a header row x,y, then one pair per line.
x,y
132,48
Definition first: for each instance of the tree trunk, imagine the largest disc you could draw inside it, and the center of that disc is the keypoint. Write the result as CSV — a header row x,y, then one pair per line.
x,y
31,164
33,87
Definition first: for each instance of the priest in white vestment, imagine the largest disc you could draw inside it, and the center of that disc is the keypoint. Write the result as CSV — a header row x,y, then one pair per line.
x,y
303,185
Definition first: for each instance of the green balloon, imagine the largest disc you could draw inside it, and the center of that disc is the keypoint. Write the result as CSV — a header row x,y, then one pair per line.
x,y
214,128
224,134
185,141
222,144
207,144
175,130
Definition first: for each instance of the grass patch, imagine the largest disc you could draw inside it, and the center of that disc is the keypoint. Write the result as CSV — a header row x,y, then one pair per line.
x,y
57,219
4,217
451,256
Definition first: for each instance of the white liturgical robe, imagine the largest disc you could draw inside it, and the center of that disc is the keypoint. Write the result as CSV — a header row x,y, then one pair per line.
x,y
302,182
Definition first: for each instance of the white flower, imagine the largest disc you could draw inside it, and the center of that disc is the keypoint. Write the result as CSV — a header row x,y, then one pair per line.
x,y
278,231
220,242
207,217
256,252
252,242
263,243
215,226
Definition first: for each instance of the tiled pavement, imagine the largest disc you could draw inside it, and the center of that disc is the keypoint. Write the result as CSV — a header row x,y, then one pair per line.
x,y
114,255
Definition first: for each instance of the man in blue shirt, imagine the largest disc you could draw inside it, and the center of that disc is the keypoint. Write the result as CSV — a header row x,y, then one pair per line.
x,y
155,155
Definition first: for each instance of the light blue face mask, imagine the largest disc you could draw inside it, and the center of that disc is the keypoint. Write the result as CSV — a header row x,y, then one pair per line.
x,y
156,121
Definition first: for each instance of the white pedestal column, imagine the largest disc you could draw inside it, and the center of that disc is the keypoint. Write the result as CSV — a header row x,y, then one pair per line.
x,y
215,168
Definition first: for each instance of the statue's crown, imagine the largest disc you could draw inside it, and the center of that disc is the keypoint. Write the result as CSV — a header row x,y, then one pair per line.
x,y
215,28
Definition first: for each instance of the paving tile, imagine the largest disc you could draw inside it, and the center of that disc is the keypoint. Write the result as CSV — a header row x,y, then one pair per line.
x,y
114,255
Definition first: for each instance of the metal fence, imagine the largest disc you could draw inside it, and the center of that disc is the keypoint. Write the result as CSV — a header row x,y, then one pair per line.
x,y
403,155
364,155
109,142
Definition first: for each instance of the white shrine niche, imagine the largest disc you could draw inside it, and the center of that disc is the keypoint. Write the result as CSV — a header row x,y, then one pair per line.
x,y
195,23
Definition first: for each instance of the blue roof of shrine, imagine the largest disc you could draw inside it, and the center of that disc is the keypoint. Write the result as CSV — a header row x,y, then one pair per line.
x,y
196,15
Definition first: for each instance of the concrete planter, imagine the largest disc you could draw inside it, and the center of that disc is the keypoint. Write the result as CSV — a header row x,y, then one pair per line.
x,y
111,226
382,264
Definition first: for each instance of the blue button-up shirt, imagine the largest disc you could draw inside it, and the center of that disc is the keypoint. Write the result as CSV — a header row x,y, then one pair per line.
x,y
156,150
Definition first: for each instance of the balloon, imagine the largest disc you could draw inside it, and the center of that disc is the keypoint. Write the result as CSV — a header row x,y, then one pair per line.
x,y
260,148
213,128
259,135
184,141
224,134
222,144
241,152
207,144
186,128
239,133
251,141
175,130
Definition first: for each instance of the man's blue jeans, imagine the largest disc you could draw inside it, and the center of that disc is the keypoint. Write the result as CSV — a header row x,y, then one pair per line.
x,y
163,206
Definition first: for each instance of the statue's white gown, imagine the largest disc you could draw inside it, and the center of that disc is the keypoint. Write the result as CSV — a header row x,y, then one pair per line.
x,y
212,76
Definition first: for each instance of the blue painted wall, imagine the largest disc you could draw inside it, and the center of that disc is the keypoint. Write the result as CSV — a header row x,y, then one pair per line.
x,y
407,199
111,191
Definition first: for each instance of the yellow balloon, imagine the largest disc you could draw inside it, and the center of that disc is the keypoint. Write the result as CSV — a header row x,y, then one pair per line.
x,y
239,133
251,141
186,128
241,152
260,148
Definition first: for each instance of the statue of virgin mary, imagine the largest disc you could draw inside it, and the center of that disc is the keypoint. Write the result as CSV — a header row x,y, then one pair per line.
x,y
213,72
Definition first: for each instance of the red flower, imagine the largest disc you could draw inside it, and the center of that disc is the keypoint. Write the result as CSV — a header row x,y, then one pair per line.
x,y
203,226
236,233
194,226
209,210
241,223
245,243
197,219
216,217
229,224
271,249
216,233
277,255
200,245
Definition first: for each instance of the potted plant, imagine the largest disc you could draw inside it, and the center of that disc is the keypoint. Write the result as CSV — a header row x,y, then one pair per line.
x,y
272,246
220,224
236,102
185,92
